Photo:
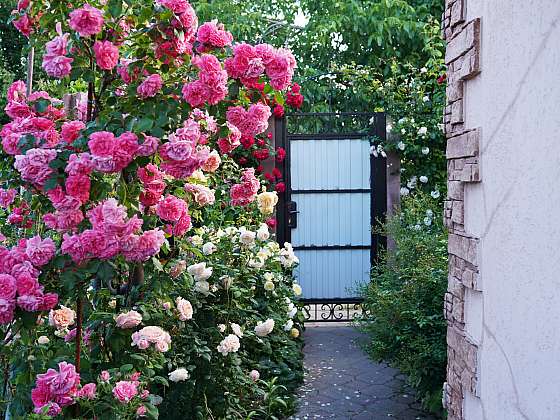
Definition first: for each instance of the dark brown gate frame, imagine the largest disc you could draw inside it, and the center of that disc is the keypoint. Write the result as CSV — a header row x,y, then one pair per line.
x,y
336,309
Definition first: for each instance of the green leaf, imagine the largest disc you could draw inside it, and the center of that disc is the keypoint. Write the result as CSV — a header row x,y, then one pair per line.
x,y
115,8
144,124
41,105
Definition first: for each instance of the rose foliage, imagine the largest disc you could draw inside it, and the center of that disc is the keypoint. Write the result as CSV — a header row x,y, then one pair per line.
x,y
139,277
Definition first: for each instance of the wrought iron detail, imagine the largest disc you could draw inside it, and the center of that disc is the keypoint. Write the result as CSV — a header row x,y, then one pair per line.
x,y
332,310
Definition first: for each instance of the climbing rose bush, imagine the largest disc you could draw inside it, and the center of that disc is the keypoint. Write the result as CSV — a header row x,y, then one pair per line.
x,y
139,276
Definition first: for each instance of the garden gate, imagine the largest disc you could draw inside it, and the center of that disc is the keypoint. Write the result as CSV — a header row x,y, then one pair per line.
x,y
336,191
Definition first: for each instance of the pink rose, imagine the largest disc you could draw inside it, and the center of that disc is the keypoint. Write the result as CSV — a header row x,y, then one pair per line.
x,y
102,143
71,130
7,307
124,391
78,186
176,6
171,208
17,91
106,54
184,308
141,411
150,86
88,391
148,147
23,24
128,319
212,162
58,66
214,35
27,284
104,376
86,21
152,335
40,251
7,197
7,287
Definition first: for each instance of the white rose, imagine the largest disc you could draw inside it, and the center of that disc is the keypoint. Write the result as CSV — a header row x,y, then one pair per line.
x,y
427,221
236,328
202,287
297,289
231,230
268,276
222,328
247,237
199,271
256,263
197,240
230,344
288,325
43,340
262,233
425,150
220,234
435,194
405,191
179,375
401,145
269,286
426,98
264,328
423,179
209,248
422,131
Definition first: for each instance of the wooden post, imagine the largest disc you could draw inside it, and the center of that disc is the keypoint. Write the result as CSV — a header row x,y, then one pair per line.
x,y
30,62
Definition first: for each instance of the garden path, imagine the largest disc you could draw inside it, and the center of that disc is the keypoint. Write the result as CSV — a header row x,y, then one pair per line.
x,y
343,383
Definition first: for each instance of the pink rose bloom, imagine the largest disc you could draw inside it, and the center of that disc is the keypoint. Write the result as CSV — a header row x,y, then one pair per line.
x,y
78,186
171,208
88,391
17,91
86,21
105,376
50,300
102,143
7,287
183,225
71,130
176,6
184,308
251,122
152,335
34,165
7,308
56,387
245,193
280,68
58,45
58,66
150,86
202,195
148,147
106,54
141,411
214,35
128,319
124,391
7,197
195,93
254,375
40,251
148,245
23,24
78,164
27,284
212,162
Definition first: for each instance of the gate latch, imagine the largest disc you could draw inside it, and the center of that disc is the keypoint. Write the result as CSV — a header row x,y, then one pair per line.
x,y
291,207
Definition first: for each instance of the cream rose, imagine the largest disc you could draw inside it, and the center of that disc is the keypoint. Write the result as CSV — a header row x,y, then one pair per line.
x,y
262,233
179,375
212,162
266,202
264,328
61,318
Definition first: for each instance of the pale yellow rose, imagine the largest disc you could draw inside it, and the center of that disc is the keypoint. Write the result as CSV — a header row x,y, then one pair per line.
x,y
61,318
266,202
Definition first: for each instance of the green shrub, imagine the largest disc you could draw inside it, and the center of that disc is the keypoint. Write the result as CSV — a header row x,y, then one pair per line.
x,y
404,301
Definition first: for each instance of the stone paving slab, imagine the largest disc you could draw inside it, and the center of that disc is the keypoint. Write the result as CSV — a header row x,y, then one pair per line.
x,y
343,383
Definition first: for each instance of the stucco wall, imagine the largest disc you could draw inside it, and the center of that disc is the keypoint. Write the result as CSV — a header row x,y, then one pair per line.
x,y
514,318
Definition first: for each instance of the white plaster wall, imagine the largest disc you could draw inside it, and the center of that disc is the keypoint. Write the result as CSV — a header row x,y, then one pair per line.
x,y
515,210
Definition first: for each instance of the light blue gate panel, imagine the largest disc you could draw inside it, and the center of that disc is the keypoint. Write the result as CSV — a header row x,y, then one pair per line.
x,y
332,219
327,274
329,164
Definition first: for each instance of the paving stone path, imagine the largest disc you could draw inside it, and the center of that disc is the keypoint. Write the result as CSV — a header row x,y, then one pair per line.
x,y
343,383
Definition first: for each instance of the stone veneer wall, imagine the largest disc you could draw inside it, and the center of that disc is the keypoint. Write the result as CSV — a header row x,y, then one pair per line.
x,y
463,62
